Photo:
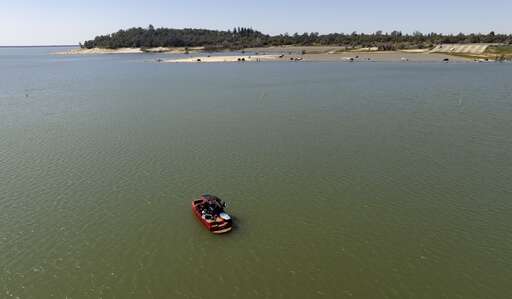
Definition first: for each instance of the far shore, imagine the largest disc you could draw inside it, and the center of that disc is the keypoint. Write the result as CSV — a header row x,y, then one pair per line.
x,y
283,53
168,50
270,56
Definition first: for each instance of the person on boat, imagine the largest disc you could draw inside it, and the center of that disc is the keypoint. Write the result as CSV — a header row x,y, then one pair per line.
x,y
220,202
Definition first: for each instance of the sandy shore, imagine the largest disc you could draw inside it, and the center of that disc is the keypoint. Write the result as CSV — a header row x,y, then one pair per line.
x,y
334,53
284,53
80,51
226,58
388,56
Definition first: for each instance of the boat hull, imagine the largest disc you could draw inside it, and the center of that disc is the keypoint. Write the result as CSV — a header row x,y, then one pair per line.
x,y
216,225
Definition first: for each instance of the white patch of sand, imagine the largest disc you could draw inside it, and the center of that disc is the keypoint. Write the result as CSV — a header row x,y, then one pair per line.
x,y
81,51
92,51
462,48
230,58
415,51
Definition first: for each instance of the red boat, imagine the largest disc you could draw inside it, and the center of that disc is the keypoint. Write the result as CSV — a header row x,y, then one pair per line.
x,y
209,210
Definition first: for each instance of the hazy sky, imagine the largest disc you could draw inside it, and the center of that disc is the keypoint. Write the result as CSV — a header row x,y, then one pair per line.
x,y
39,22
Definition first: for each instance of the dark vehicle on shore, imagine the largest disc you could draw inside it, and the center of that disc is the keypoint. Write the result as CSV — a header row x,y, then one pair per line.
x,y
209,210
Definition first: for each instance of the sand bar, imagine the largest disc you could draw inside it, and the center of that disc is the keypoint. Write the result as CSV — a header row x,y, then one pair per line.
x,y
169,50
388,56
225,58
285,53
337,53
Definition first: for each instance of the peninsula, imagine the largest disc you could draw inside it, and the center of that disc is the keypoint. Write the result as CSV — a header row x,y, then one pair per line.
x,y
309,46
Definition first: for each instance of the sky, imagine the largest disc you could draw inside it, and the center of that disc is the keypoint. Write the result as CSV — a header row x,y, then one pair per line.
x,y
51,22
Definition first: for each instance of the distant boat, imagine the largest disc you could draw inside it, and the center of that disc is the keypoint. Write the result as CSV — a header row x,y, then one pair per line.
x,y
209,210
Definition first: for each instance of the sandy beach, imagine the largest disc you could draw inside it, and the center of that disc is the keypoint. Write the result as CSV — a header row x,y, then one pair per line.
x,y
225,58
263,56
285,53
384,56
337,53
93,51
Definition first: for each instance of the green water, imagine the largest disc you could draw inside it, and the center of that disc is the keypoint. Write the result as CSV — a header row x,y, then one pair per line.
x,y
365,180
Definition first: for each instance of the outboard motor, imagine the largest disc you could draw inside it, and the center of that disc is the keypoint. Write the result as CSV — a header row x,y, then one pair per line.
x,y
225,216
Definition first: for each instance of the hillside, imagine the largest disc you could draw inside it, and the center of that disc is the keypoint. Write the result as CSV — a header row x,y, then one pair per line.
x,y
247,37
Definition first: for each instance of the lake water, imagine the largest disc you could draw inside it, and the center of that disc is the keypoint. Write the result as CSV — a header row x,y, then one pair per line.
x,y
363,180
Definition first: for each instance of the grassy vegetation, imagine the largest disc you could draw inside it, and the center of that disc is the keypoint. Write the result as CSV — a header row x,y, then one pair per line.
x,y
503,49
471,56
502,52
493,53
485,56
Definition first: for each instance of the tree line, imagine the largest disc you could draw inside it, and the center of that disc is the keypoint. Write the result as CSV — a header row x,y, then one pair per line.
x,y
241,37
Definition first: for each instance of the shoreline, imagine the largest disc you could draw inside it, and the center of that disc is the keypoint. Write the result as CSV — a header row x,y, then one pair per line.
x,y
264,56
285,53
164,50
223,58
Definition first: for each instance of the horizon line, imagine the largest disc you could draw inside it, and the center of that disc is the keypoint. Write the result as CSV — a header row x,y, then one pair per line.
x,y
37,46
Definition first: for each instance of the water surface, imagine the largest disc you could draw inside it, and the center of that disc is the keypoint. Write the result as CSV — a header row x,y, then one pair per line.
x,y
365,180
